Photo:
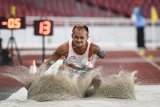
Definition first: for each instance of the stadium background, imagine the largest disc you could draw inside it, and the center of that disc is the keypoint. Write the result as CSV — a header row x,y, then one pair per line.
x,y
109,21
110,24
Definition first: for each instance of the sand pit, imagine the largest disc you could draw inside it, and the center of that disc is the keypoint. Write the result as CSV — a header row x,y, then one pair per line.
x,y
146,96
114,90
76,84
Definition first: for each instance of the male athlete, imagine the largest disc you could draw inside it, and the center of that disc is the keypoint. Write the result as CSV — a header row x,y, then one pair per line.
x,y
78,52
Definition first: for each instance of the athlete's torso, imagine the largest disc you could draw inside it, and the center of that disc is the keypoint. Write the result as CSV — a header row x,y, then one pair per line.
x,y
75,59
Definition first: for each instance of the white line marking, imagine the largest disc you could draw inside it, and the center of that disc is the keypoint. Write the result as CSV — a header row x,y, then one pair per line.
x,y
149,61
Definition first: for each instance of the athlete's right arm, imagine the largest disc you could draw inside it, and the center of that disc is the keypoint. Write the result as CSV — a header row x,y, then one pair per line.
x,y
55,56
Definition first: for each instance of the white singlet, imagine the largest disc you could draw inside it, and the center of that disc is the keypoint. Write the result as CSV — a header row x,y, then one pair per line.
x,y
79,61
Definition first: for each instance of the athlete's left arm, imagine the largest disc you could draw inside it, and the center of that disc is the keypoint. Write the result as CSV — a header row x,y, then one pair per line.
x,y
97,50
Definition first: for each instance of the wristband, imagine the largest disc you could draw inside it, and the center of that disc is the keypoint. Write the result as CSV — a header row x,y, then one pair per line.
x,y
101,54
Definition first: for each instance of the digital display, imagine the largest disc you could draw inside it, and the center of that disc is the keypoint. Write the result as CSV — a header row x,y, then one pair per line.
x,y
43,27
12,23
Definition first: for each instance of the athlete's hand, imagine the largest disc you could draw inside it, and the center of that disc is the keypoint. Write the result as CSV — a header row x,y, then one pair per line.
x,y
101,54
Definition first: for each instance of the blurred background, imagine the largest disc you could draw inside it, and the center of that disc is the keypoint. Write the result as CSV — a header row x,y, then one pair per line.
x,y
112,24
128,30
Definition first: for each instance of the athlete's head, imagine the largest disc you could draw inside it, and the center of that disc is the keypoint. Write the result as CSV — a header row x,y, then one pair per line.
x,y
80,35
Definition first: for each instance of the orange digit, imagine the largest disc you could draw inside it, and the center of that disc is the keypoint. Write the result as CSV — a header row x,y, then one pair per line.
x,y
41,28
10,23
17,23
47,27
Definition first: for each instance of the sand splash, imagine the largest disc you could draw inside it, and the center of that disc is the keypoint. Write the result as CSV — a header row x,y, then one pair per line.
x,y
71,85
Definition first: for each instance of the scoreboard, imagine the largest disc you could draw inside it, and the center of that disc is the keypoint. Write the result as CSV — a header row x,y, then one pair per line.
x,y
12,23
43,27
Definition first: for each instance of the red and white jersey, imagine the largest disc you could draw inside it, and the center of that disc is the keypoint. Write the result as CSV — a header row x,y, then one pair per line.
x,y
78,60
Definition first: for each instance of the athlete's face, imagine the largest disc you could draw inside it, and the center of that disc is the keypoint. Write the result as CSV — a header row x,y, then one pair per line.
x,y
80,37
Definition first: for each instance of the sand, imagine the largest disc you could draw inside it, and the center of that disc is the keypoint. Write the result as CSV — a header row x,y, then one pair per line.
x,y
146,96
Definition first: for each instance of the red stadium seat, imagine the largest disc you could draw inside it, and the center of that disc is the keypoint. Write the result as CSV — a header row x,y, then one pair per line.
x,y
83,8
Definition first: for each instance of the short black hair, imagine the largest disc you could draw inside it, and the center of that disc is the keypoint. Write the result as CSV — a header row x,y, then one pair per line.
x,y
81,26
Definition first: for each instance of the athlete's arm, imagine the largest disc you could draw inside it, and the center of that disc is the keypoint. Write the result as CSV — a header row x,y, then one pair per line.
x,y
59,52
97,50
